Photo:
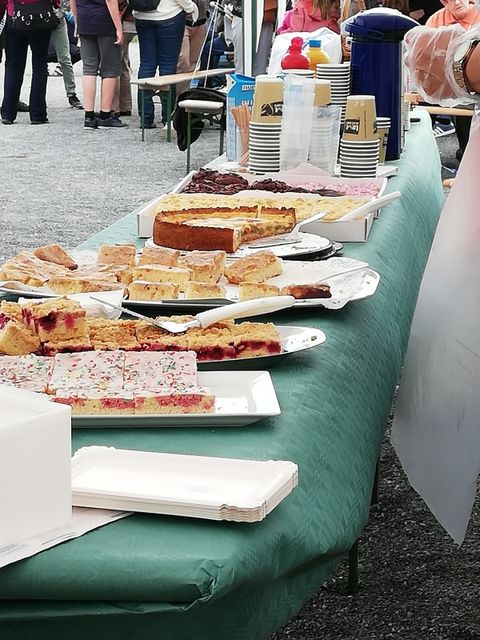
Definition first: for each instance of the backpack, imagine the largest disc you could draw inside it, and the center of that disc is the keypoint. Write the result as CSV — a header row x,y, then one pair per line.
x,y
143,5
35,16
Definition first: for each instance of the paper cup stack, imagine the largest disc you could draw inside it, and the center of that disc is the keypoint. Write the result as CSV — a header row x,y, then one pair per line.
x,y
360,144
359,159
383,128
264,147
339,77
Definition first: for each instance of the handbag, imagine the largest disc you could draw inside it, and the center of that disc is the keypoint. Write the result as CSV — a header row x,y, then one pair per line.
x,y
143,5
35,16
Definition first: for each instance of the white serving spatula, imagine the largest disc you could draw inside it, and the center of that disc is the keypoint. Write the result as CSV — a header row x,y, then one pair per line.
x,y
206,318
373,205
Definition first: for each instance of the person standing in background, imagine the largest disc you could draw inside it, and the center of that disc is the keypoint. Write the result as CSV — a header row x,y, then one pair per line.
x,y
122,102
61,43
236,11
100,29
160,36
16,48
193,40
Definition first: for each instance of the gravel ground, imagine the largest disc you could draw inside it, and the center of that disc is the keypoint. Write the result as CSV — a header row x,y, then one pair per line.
x,y
62,183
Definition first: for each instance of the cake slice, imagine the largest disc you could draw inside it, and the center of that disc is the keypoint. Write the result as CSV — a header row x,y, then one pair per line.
x,y
96,402
200,290
307,291
88,370
159,255
140,290
29,372
161,273
11,310
206,266
119,254
67,346
213,343
68,285
151,338
56,319
250,290
56,254
253,339
257,267
16,339
153,371
112,334
175,401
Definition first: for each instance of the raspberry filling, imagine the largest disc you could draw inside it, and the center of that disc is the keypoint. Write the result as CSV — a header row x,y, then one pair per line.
x,y
3,320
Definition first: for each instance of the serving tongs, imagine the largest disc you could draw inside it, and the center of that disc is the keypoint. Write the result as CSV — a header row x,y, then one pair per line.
x,y
206,318
293,237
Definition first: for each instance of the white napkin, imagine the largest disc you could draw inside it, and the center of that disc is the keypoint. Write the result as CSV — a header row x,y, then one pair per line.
x,y
93,308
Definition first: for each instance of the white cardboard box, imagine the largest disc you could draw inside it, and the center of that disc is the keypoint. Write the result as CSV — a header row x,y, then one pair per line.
x,y
347,231
35,465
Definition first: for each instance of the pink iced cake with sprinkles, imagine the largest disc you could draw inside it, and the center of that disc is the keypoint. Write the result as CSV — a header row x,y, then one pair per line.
x,y
150,370
31,372
87,370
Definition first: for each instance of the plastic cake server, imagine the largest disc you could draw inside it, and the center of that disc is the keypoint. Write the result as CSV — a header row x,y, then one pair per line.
x,y
204,319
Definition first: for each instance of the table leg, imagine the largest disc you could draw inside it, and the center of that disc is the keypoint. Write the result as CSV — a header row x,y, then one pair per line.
x,y
222,132
169,113
353,569
189,138
142,114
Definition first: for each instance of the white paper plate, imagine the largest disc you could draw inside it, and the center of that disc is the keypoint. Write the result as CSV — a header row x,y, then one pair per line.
x,y
241,397
180,485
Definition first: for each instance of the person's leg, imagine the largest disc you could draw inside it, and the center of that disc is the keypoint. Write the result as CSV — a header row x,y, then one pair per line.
x,y
169,42
91,62
462,127
62,49
184,58
15,59
124,103
38,42
237,39
147,40
264,48
110,68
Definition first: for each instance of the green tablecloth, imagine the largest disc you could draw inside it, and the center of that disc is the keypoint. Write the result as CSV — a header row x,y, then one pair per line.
x,y
156,577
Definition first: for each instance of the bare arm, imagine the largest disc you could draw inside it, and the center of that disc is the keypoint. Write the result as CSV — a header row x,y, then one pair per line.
x,y
112,6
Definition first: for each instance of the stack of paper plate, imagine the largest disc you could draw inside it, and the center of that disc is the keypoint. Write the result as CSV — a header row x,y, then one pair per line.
x,y
180,485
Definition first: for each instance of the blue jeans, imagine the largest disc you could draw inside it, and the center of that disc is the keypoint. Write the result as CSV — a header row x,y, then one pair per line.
x,y
160,43
16,47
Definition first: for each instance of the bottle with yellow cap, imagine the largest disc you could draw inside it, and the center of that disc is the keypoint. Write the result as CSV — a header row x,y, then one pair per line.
x,y
316,55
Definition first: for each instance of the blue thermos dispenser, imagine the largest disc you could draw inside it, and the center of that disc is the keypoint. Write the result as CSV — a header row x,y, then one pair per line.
x,y
377,65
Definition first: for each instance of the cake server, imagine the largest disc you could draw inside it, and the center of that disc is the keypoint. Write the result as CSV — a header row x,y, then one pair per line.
x,y
371,206
245,309
288,238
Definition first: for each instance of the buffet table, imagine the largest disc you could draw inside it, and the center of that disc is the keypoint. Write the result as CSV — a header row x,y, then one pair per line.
x,y
152,577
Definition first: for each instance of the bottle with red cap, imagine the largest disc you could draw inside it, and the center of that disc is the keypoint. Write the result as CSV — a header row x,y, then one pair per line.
x,y
294,58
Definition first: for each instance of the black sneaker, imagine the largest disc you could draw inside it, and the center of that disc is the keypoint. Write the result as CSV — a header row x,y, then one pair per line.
x,y
113,122
22,106
6,121
45,121
149,125
90,123
74,102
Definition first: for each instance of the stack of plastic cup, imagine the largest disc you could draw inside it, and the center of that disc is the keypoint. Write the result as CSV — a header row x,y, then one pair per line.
x,y
264,147
324,138
339,77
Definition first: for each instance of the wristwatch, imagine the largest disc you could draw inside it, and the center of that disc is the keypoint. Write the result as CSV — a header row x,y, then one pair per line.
x,y
460,60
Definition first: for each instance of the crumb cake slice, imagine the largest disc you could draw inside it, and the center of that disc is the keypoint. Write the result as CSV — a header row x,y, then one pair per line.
x,y
29,372
150,371
206,266
101,370
257,267
251,290
253,339
56,319
213,343
151,338
200,290
66,285
118,254
67,346
161,273
141,290
16,339
112,334
11,310
56,254
159,255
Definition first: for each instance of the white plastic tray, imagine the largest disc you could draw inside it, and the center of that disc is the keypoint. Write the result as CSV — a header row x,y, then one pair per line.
x,y
241,397
181,485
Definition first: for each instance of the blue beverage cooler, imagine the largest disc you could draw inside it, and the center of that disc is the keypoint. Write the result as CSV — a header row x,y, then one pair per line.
x,y
377,65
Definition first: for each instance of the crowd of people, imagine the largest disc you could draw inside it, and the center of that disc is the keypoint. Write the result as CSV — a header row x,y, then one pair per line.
x,y
173,36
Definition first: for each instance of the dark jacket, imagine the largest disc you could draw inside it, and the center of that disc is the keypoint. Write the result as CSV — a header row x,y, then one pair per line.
x,y
180,117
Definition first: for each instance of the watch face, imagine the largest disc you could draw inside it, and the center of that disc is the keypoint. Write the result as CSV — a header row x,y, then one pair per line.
x,y
461,52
